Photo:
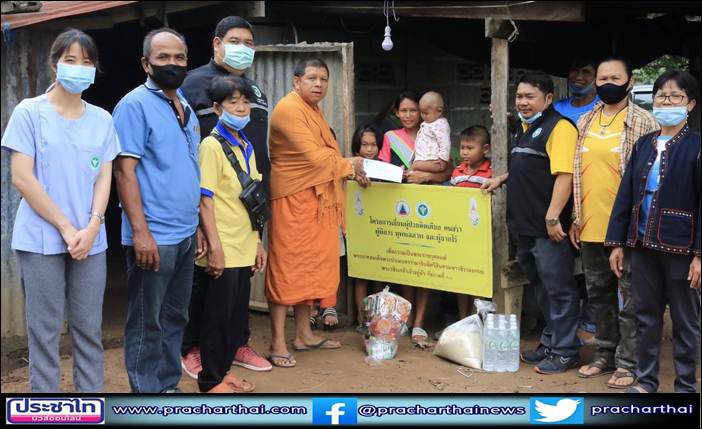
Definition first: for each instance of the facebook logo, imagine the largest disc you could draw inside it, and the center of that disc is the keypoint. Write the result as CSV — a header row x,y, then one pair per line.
x,y
334,411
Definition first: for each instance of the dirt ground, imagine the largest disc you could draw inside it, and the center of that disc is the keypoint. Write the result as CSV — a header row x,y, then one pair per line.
x,y
345,371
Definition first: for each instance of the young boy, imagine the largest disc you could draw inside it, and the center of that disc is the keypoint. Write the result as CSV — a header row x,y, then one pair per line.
x,y
472,173
474,168
432,148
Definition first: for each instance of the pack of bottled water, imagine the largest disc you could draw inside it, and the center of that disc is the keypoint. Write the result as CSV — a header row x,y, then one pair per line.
x,y
501,343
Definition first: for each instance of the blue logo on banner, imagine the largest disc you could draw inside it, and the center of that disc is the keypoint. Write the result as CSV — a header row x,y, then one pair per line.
x,y
555,410
334,411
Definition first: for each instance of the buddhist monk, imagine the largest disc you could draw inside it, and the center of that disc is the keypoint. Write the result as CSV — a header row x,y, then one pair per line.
x,y
308,177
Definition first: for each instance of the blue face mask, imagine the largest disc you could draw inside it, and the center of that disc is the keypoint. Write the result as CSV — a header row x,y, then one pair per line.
x,y
238,57
529,120
670,116
234,122
75,79
579,91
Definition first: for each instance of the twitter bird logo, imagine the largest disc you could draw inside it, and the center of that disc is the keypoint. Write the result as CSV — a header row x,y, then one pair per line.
x,y
556,410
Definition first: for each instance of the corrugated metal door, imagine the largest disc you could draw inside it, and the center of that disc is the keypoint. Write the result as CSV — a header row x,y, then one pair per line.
x,y
272,71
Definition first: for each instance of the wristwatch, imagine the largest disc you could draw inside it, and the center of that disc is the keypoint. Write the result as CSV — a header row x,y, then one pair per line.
x,y
552,221
101,217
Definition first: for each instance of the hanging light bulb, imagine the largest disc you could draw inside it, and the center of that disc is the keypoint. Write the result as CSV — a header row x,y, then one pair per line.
x,y
387,41
387,44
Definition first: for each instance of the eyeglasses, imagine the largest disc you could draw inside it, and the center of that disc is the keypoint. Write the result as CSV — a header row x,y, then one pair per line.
x,y
674,99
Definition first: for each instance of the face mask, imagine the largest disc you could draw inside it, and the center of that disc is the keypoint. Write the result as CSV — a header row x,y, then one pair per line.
x,y
238,57
670,116
75,79
234,122
170,76
579,91
611,93
529,120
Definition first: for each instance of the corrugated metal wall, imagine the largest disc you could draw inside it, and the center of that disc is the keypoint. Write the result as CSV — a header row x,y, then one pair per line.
x,y
273,68
273,72
25,73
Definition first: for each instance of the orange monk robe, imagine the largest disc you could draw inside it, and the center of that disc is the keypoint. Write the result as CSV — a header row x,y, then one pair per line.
x,y
307,205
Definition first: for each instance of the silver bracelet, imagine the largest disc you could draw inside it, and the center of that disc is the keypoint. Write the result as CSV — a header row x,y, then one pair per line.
x,y
100,217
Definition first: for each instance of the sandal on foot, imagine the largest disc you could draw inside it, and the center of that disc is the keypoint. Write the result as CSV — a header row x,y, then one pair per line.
x,y
420,338
622,374
599,363
324,344
330,312
282,361
636,388
313,322
238,385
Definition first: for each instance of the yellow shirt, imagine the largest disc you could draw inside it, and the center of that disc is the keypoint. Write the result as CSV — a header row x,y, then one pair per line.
x,y
560,147
218,180
600,175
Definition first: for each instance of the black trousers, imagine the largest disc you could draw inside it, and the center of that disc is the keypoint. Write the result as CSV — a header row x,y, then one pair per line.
x,y
191,338
224,321
658,279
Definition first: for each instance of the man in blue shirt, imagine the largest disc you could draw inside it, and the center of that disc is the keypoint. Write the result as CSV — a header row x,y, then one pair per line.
x,y
583,97
581,87
158,180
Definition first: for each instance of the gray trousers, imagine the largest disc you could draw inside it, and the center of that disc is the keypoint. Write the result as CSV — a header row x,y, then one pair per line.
x,y
616,329
51,284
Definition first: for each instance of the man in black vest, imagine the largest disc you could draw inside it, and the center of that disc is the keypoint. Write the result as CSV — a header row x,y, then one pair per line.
x,y
233,46
539,185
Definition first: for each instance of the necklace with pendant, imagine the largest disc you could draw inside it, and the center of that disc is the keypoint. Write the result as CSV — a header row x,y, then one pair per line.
x,y
603,127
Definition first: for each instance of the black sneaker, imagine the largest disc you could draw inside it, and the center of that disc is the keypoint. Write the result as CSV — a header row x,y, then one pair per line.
x,y
556,364
535,356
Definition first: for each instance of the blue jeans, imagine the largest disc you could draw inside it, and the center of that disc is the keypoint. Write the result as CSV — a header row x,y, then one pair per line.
x,y
549,267
156,317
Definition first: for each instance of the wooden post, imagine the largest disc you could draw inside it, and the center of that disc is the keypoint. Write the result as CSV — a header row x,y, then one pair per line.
x,y
499,80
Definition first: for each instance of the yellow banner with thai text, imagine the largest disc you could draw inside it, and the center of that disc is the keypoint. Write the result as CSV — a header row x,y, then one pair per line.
x,y
437,237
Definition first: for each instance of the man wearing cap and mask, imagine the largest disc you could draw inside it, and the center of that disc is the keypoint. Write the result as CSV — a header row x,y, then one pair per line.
x,y
581,87
233,54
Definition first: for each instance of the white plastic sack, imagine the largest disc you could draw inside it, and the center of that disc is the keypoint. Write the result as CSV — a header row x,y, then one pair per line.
x,y
462,342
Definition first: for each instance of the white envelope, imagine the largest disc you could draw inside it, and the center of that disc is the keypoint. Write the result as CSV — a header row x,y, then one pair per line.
x,y
382,170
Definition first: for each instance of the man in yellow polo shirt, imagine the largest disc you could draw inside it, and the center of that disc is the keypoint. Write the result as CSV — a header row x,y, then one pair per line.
x,y
539,210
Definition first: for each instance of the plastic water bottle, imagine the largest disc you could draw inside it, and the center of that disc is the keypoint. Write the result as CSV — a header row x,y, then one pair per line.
x,y
488,343
513,365
502,342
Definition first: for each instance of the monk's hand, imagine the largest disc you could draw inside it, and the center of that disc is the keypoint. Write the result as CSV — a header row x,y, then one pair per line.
x,y
215,261
261,258
361,177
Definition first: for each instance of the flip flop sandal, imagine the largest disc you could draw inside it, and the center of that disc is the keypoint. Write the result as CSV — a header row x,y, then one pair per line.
x,y
324,344
239,386
285,358
420,338
313,322
621,374
599,363
330,312
636,388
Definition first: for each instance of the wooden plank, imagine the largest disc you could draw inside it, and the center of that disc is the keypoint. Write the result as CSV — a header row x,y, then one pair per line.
x,y
565,11
499,78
